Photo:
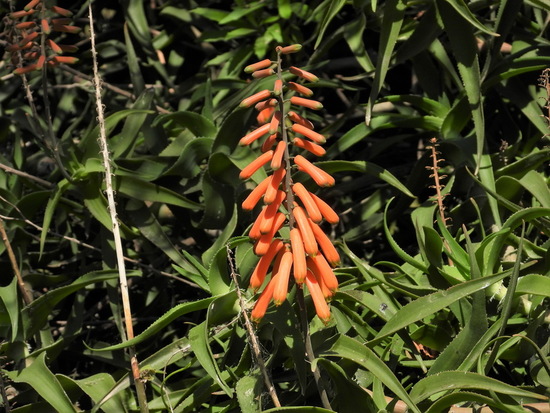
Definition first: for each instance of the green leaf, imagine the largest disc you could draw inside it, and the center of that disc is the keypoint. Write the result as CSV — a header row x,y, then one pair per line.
x,y
284,8
43,381
199,125
462,8
239,12
198,338
10,301
97,387
133,65
443,403
211,14
50,209
451,380
330,13
221,238
122,144
137,188
348,348
247,393
430,304
394,11
163,321
535,284
152,230
41,308
367,168
353,33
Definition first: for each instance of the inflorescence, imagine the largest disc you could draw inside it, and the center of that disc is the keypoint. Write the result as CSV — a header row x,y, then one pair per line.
x,y
308,253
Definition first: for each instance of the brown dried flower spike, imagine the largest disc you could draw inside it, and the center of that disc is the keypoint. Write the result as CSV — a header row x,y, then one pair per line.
x,y
309,254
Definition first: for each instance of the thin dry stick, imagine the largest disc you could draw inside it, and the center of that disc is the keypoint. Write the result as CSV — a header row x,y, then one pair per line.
x,y
22,174
254,344
113,88
27,298
140,388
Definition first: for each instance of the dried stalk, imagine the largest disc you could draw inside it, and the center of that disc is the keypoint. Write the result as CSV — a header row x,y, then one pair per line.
x,y
140,388
253,339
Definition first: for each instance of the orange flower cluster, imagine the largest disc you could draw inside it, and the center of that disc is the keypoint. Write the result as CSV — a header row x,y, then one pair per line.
x,y
43,19
308,254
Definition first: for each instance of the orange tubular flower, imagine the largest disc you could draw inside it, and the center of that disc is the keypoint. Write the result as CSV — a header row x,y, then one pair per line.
x,y
254,232
54,46
265,115
45,26
307,103
300,120
252,199
265,104
298,255
255,98
270,212
262,245
273,187
320,177
289,49
31,4
258,275
283,275
310,244
309,146
308,133
275,121
258,74
278,87
327,212
262,64
320,267
326,245
256,164
268,143
301,89
309,204
321,307
277,160
261,305
310,77
61,11
25,25
255,134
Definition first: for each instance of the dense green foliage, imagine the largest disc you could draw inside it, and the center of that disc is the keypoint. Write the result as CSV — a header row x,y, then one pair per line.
x,y
433,310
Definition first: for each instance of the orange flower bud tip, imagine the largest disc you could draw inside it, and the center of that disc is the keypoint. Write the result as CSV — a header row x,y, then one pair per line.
x,y
31,5
300,89
278,87
61,11
256,164
25,25
65,28
293,48
45,26
258,74
307,103
21,13
54,46
262,64
69,60
40,62
26,69
255,98
308,133
310,77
